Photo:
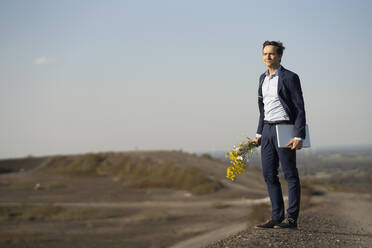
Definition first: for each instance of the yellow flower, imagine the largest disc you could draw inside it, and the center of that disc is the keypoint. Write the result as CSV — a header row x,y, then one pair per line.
x,y
236,156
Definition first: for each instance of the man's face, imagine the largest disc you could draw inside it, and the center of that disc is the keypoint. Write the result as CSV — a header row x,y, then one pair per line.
x,y
270,57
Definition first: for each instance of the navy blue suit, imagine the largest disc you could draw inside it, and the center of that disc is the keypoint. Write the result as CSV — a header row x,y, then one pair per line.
x,y
290,96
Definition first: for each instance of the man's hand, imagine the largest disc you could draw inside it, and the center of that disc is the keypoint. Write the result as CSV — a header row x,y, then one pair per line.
x,y
257,141
295,144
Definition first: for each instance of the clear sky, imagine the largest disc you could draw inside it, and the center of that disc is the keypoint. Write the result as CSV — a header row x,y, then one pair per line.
x,y
88,76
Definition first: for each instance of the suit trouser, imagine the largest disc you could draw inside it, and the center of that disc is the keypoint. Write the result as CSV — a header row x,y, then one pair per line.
x,y
271,155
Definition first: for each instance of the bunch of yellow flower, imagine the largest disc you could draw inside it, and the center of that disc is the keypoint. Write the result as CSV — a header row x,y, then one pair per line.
x,y
238,158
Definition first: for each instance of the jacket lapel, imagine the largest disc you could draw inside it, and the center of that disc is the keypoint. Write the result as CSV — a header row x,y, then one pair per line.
x,y
280,80
283,98
260,86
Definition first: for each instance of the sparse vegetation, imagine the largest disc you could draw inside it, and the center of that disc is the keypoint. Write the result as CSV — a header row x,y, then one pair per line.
x,y
22,185
84,165
50,212
262,212
351,181
307,191
206,156
28,184
20,164
219,205
97,180
21,238
153,215
143,175
259,213
4,183
53,185
140,173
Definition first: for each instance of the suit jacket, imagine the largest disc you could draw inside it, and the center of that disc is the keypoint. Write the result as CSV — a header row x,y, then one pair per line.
x,y
290,96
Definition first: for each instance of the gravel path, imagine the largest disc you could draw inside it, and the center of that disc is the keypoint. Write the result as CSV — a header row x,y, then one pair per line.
x,y
204,239
341,220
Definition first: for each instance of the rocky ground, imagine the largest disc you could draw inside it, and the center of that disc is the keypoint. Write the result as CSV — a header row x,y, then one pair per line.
x,y
338,220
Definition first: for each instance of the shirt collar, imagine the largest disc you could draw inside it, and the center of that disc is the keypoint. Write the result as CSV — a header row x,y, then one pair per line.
x,y
276,73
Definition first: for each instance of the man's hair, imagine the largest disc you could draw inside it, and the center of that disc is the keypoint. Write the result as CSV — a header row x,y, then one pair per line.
x,y
279,46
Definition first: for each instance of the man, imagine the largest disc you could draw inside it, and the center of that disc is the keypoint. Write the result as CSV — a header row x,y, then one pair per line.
x,y
280,101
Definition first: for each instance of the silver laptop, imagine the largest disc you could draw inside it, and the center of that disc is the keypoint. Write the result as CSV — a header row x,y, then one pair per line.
x,y
286,132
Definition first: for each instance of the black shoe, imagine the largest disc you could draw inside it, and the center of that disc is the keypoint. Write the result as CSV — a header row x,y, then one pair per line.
x,y
287,223
269,224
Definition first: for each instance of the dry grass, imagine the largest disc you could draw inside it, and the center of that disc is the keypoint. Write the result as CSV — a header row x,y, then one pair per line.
x,y
262,212
82,165
153,215
358,180
307,191
53,185
357,187
4,183
219,205
139,173
22,185
21,238
50,212
145,176
27,184
207,156
259,213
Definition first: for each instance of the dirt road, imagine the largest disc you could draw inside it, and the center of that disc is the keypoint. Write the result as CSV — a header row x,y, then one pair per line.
x,y
150,204
339,220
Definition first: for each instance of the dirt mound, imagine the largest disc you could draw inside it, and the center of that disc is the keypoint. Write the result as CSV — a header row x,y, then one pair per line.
x,y
20,164
119,199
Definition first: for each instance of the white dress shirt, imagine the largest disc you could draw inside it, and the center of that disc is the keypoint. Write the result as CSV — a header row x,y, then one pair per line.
x,y
273,109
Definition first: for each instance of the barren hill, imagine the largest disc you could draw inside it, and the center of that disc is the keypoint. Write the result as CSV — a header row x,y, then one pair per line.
x,y
173,170
161,199
121,199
